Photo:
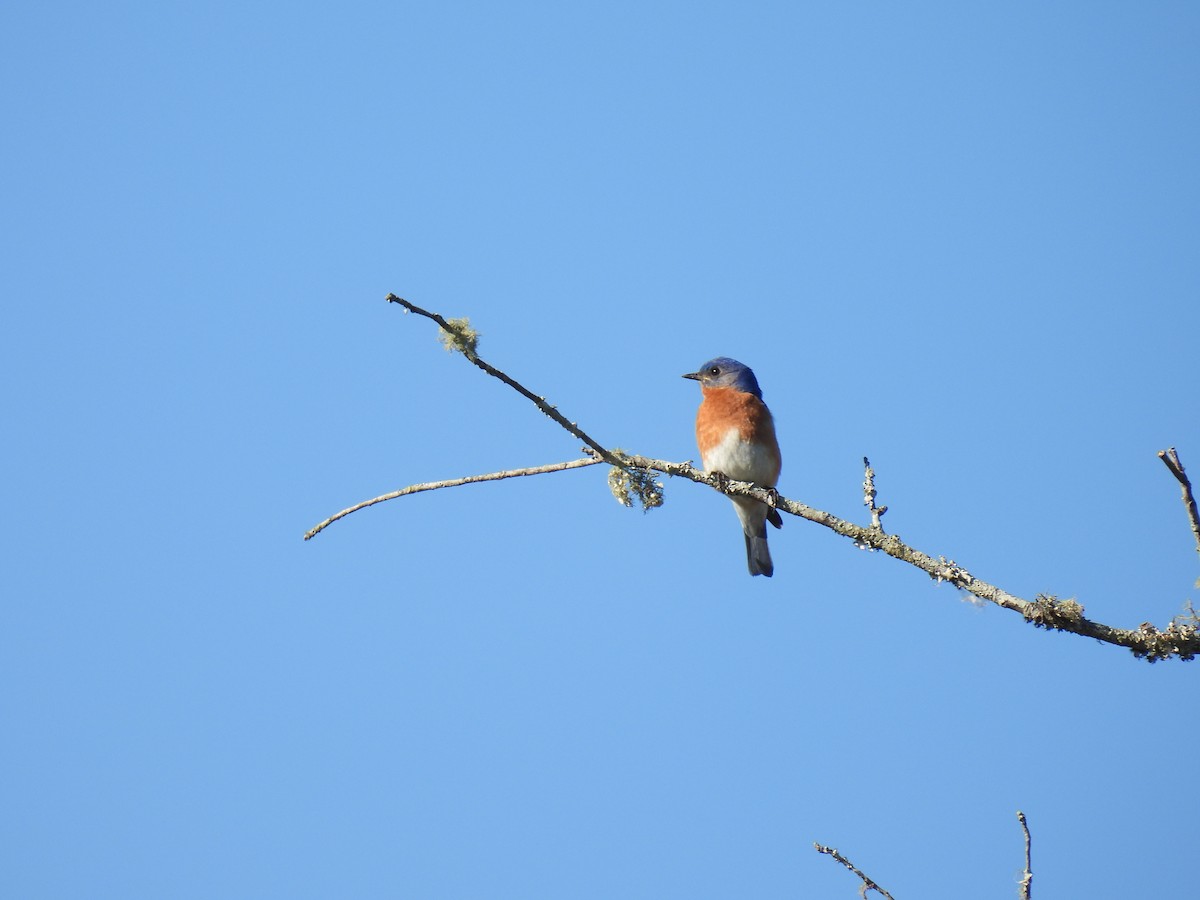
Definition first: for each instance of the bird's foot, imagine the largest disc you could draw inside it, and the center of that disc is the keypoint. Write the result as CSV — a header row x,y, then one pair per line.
x,y
772,507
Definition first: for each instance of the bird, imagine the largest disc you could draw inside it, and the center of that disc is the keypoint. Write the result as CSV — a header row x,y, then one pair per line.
x,y
736,437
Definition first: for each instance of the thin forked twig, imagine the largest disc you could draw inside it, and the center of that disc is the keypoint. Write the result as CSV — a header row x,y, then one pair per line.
x,y
455,482
1027,879
867,883
1171,459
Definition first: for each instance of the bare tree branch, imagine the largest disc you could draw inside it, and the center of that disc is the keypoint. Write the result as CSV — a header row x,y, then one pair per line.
x,y
867,883
1027,879
1180,638
454,482
1171,459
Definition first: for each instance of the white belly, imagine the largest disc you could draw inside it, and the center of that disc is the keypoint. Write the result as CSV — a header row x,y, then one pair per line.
x,y
741,461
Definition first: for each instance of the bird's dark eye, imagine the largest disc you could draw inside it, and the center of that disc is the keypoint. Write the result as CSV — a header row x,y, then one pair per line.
x,y
714,371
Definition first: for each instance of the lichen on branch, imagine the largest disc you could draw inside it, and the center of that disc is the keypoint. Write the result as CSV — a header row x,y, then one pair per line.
x,y
633,486
458,335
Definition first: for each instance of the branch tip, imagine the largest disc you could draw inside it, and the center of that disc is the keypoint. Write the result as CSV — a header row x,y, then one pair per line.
x,y
1170,459
1027,879
867,883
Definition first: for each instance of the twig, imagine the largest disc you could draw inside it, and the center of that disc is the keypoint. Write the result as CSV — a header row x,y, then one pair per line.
x,y
455,482
1171,459
869,493
867,883
540,402
1027,880
1189,616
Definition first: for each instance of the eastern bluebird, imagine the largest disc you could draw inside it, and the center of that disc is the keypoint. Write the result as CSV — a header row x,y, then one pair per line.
x,y
736,437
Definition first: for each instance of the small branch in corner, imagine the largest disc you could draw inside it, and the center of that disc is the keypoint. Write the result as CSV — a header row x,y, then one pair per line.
x,y
1171,460
867,883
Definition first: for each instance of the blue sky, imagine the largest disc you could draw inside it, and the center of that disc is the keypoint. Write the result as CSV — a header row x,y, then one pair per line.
x,y
959,240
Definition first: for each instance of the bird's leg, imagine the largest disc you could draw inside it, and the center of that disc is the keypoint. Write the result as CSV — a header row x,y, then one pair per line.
x,y
772,497
720,481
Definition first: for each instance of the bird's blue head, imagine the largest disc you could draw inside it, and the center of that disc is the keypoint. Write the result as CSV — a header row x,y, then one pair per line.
x,y
724,372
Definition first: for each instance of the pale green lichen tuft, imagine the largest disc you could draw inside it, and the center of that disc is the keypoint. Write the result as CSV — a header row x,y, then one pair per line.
x,y
632,486
1047,611
460,336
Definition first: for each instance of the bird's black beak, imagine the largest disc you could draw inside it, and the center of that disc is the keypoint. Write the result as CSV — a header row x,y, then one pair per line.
x,y
695,376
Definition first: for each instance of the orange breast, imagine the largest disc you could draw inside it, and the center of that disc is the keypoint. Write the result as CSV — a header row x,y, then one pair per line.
x,y
724,409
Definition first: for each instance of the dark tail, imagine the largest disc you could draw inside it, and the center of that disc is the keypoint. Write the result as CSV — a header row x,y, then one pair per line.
x,y
758,557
